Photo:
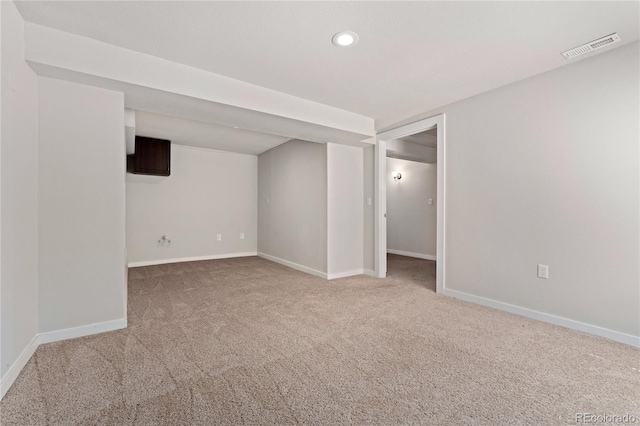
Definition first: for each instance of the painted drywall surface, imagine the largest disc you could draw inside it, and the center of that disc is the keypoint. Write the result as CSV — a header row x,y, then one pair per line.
x,y
545,171
292,204
369,243
411,221
345,214
411,151
19,193
208,193
81,205
86,59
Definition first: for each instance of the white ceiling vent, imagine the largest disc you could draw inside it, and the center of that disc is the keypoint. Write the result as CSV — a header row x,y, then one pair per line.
x,y
592,45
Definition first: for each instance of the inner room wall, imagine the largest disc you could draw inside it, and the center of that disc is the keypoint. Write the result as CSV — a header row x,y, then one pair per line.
x,y
81,208
411,221
208,193
345,221
368,156
292,205
19,190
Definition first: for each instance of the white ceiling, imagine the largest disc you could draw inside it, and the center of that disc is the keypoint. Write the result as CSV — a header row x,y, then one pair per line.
x,y
204,135
412,56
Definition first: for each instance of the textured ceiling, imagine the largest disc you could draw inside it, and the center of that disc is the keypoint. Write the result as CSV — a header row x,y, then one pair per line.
x,y
412,56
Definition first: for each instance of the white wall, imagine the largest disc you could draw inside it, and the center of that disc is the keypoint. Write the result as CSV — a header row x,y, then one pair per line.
x,y
545,171
292,204
208,193
345,195
411,221
81,205
19,194
369,214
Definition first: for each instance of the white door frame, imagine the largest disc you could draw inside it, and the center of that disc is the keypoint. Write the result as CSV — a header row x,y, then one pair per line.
x,y
380,171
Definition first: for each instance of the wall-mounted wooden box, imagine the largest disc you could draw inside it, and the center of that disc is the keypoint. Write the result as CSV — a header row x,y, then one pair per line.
x,y
152,157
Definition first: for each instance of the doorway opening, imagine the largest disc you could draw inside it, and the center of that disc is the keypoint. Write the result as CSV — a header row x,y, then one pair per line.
x,y
411,208
419,149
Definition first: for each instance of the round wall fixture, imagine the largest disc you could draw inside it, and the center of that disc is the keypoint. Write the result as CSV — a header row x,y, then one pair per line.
x,y
345,39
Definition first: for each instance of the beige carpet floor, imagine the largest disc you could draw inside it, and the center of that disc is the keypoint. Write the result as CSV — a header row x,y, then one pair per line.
x,y
247,341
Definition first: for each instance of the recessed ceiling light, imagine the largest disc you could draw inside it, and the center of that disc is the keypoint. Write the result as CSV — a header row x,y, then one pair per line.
x,y
345,39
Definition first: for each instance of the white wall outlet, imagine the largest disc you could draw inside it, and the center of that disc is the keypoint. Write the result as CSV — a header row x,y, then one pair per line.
x,y
242,235
369,201
219,237
543,271
430,201
268,200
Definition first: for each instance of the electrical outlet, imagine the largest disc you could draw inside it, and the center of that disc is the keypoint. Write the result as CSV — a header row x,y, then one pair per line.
x,y
543,271
242,236
369,201
219,237
430,201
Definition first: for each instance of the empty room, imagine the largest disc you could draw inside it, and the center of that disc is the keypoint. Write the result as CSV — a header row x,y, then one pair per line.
x,y
319,213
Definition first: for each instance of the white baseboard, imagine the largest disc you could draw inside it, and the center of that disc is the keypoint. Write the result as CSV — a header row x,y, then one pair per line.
x,y
54,336
83,330
409,254
369,272
541,316
292,265
190,259
14,371
345,274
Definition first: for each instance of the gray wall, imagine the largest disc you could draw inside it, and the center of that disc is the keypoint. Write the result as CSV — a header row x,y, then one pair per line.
x,y
411,221
345,226
368,156
81,205
545,170
19,189
292,204
208,193
404,150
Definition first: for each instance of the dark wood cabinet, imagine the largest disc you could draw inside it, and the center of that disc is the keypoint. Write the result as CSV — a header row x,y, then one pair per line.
x,y
152,157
